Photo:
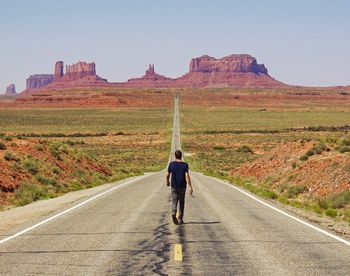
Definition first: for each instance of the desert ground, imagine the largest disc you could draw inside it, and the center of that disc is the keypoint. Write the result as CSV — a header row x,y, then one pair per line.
x,y
290,144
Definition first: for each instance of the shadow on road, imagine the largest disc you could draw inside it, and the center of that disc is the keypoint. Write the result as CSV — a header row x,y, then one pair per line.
x,y
202,222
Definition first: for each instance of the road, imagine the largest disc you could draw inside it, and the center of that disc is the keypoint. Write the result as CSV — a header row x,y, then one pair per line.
x,y
127,230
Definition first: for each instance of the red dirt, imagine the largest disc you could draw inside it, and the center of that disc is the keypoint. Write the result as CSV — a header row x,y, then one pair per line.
x,y
75,99
13,174
289,98
323,174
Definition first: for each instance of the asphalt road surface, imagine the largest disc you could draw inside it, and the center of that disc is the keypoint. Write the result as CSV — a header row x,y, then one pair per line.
x,y
128,231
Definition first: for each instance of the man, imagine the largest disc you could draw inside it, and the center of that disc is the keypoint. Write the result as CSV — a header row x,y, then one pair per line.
x,y
180,177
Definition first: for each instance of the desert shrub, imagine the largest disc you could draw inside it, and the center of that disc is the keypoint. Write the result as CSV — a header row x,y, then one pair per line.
x,y
268,181
75,186
29,192
304,158
56,170
31,166
9,156
39,147
345,141
245,149
346,214
46,180
70,142
340,200
283,187
294,165
2,146
319,148
268,194
79,173
344,149
219,148
283,199
317,209
331,212
310,152
295,190
330,140
323,203
296,203
55,151
8,138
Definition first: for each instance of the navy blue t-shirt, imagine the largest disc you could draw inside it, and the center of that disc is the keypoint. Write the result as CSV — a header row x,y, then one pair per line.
x,y
178,177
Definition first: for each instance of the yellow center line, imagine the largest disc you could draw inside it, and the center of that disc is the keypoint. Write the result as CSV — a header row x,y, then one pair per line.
x,y
178,252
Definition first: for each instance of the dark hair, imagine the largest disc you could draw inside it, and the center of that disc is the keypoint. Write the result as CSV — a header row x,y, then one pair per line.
x,y
178,154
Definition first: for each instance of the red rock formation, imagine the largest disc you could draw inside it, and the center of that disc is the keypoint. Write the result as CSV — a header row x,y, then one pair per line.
x,y
58,70
35,82
11,90
79,70
229,64
230,71
150,79
204,71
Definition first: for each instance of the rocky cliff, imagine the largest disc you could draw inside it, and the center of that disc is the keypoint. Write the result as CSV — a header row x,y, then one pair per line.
x,y
58,70
10,90
81,74
35,82
205,71
231,71
229,64
150,79
79,70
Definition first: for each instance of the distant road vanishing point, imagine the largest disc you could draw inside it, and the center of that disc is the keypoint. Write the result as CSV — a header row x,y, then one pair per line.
x,y
126,229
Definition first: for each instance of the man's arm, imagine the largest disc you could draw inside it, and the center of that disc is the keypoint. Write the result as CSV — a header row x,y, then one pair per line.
x,y
188,180
167,179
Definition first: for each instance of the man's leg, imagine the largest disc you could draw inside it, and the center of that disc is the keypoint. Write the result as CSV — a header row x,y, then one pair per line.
x,y
174,201
182,194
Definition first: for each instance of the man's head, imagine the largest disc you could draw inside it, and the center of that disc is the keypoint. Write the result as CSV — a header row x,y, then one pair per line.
x,y
178,154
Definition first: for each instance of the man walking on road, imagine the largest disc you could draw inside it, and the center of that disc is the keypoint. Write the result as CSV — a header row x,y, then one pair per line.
x,y
180,177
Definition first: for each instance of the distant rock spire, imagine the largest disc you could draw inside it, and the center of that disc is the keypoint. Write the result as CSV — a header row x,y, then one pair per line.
x,y
150,71
58,70
11,90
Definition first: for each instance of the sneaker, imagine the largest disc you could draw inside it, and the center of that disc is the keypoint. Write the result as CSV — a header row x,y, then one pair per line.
x,y
175,219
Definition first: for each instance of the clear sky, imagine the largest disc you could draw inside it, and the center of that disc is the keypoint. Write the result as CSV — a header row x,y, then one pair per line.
x,y
305,42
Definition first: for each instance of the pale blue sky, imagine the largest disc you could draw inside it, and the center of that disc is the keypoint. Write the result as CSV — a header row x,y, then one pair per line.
x,y
300,42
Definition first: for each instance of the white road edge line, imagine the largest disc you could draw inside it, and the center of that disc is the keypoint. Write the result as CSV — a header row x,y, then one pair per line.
x,y
72,208
283,212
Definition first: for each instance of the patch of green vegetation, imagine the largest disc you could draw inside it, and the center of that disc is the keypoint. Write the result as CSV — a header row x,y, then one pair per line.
x,y
39,147
331,213
46,180
344,149
340,200
10,156
245,149
219,148
295,190
304,157
29,192
89,122
31,165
